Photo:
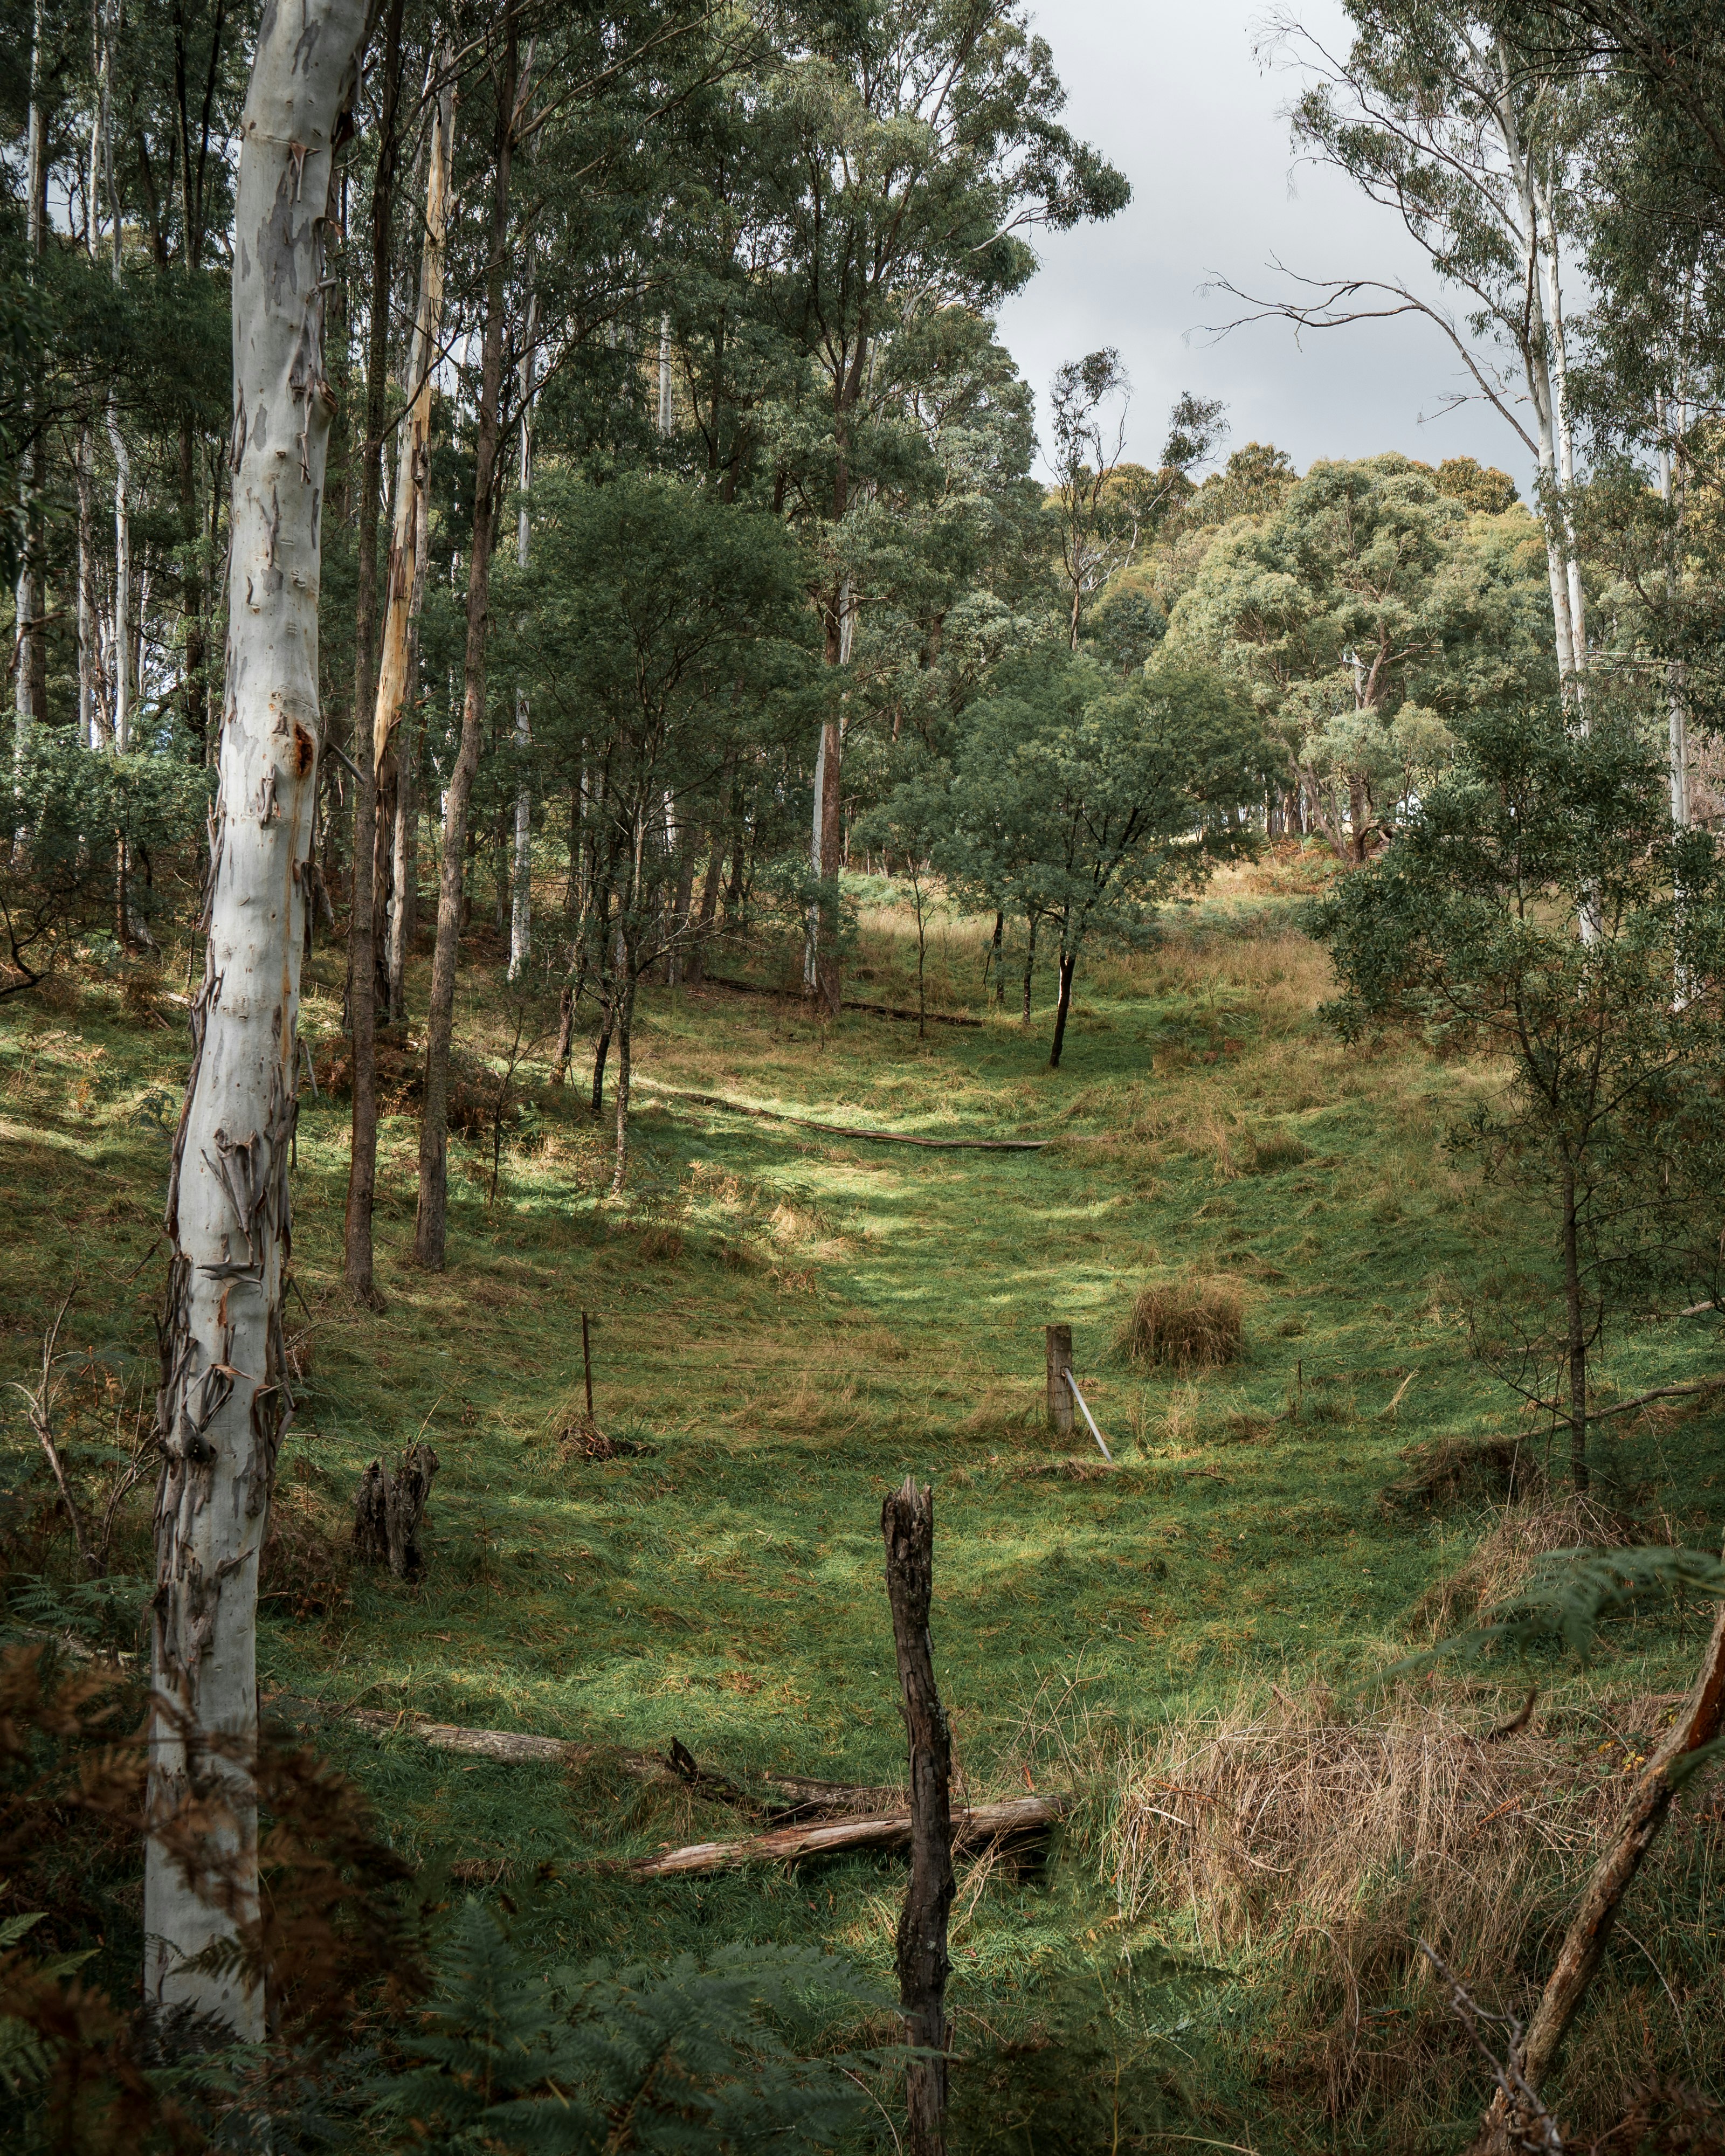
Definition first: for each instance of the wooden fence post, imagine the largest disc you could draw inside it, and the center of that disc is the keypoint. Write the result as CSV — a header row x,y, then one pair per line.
x,y
907,1523
1060,1393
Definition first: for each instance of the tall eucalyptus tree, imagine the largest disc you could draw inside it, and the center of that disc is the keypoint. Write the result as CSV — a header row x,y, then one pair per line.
x,y
224,1399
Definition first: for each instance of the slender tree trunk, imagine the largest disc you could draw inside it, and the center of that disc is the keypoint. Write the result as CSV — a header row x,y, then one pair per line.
x,y
224,1399
997,959
601,1051
1067,961
566,1032
89,660
405,579
192,686
431,1227
1577,1340
361,916
1029,962
27,700
907,1525
625,1032
123,674
521,904
404,866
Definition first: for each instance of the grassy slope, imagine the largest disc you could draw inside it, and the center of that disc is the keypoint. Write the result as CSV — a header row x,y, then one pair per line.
x,y
840,1314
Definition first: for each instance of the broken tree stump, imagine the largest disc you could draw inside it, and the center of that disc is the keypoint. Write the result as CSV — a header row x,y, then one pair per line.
x,y
387,1510
1060,1393
907,1525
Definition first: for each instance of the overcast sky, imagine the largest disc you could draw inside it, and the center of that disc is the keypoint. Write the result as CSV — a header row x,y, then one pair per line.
x,y
1170,92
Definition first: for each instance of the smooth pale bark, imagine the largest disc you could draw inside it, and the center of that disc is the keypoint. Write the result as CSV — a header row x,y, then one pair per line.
x,y
361,911
224,1399
820,959
1541,342
431,1225
89,723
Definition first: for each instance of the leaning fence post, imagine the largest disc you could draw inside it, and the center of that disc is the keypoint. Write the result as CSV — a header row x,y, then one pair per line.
x,y
1060,1393
907,1523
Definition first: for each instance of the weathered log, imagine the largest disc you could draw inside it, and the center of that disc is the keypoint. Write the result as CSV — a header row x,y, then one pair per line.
x,y
972,1826
907,1525
509,1747
874,1010
387,1510
1583,1948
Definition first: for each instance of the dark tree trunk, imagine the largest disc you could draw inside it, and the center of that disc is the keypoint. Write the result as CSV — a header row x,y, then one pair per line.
x,y
601,1049
192,582
1577,1341
1029,963
566,1032
362,924
1068,961
908,1524
625,1014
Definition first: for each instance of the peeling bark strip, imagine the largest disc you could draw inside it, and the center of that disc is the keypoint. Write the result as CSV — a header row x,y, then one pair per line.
x,y
224,1402
907,1522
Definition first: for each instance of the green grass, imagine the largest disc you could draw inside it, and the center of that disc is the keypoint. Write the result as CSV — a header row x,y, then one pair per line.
x,y
836,1314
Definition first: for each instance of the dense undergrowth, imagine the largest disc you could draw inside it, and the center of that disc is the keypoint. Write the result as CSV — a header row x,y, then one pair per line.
x,y
1222,1945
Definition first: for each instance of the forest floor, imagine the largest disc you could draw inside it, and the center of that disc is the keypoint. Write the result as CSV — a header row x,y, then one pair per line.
x,y
783,1324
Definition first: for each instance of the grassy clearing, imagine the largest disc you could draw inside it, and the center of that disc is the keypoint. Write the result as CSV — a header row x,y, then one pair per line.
x,y
783,1324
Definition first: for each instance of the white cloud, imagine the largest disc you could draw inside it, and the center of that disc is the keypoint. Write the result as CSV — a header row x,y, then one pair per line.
x,y
1170,91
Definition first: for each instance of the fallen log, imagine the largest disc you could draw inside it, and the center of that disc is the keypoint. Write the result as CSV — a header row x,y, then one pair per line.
x,y
807,1798
975,1824
874,1010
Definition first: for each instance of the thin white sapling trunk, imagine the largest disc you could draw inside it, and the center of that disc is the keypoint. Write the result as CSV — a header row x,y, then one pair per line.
x,y
224,1400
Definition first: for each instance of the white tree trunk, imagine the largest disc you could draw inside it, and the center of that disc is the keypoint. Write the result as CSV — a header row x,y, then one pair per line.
x,y
88,733
123,673
224,1399
1542,342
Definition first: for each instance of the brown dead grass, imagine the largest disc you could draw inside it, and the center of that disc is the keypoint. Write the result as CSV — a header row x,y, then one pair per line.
x,y
1185,1324
1523,1536
1330,1841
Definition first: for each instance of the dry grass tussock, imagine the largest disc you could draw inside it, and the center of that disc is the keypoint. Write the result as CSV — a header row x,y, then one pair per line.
x,y
1185,1324
1523,1536
1310,1848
